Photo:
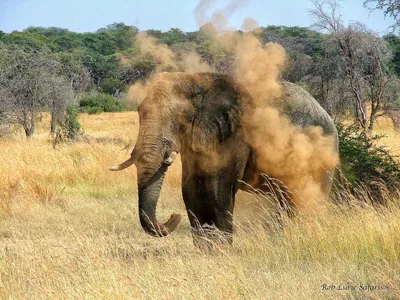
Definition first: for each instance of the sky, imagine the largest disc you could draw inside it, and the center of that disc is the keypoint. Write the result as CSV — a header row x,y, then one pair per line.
x,y
90,15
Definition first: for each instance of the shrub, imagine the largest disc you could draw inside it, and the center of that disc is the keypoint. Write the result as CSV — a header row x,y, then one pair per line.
x,y
365,163
101,103
69,126
112,86
72,125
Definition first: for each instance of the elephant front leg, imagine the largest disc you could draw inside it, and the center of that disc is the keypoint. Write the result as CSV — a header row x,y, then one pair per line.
x,y
209,202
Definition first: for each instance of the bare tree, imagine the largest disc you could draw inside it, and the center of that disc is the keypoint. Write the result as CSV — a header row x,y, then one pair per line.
x,y
30,82
363,60
72,78
60,93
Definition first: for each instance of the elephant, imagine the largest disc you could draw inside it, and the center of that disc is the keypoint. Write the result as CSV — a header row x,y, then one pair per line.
x,y
199,116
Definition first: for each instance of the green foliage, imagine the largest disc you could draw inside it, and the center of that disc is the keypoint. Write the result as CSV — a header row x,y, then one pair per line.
x,y
121,35
101,103
139,69
394,44
98,65
112,86
29,41
63,38
363,161
109,40
72,125
171,37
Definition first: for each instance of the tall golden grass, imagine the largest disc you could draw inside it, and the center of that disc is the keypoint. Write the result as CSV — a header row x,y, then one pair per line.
x,y
69,229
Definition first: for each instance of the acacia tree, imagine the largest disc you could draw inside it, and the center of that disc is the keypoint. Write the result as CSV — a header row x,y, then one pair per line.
x,y
30,83
363,61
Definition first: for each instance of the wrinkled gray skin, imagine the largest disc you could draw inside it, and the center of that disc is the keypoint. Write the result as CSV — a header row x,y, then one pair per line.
x,y
200,117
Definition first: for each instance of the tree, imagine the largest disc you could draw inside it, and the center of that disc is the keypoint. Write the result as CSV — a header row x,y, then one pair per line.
x,y
122,35
109,40
364,60
394,44
99,66
59,93
139,69
63,38
73,69
30,82
112,86
29,41
389,7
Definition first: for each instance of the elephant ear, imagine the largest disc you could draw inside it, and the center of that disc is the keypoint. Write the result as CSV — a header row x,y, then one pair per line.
x,y
217,115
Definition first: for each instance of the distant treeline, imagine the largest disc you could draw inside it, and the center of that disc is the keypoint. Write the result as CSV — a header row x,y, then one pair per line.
x,y
351,71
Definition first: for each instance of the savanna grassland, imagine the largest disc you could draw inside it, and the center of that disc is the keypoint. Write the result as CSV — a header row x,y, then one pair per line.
x,y
69,229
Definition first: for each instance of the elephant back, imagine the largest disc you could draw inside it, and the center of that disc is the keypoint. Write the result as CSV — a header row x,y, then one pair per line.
x,y
303,110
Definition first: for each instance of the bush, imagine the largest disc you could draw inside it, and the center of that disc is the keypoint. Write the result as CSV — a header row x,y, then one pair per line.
x,y
69,126
101,103
112,86
72,125
364,162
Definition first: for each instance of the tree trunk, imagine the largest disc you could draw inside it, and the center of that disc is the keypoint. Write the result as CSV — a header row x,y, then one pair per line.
x,y
28,123
53,122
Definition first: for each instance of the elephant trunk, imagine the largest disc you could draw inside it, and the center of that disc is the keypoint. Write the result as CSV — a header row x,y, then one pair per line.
x,y
152,158
148,198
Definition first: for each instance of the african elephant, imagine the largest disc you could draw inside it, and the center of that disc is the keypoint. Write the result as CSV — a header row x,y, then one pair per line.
x,y
200,116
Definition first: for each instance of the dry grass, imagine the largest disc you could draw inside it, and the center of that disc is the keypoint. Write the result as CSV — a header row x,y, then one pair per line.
x,y
69,229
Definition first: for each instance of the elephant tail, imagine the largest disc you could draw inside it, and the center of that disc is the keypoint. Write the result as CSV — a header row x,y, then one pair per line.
x,y
122,166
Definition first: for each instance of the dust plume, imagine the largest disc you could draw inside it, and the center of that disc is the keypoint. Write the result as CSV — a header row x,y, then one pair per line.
x,y
297,157
249,24
192,63
166,61
165,57
136,93
219,18
294,155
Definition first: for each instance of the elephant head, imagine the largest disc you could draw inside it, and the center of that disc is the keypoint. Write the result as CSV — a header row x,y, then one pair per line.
x,y
181,112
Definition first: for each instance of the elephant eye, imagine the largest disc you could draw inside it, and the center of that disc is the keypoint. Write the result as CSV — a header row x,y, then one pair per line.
x,y
166,142
197,91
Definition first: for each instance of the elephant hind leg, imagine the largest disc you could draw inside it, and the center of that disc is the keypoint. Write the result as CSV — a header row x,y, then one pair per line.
x,y
326,183
282,198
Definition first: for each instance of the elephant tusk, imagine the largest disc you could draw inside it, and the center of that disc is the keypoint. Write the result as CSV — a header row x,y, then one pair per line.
x,y
122,166
171,158
115,168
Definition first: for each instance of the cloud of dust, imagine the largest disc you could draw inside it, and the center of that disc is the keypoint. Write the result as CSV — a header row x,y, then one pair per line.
x,y
165,57
296,156
136,93
249,24
166,60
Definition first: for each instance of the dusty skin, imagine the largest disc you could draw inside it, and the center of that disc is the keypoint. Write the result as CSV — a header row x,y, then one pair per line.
x,y
303,153
227,141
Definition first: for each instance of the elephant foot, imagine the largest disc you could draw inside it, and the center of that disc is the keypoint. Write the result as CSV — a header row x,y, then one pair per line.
x,y
209,238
